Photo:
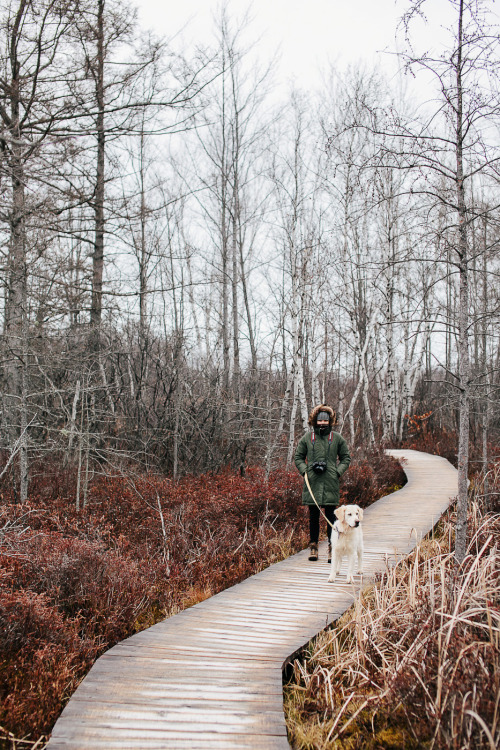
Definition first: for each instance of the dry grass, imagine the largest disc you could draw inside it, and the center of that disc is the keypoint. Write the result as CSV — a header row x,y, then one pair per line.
x,y
415,662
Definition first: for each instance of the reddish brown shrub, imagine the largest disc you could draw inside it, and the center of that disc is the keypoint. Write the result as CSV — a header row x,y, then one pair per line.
x,y
371,475
76,583
106,590
42,659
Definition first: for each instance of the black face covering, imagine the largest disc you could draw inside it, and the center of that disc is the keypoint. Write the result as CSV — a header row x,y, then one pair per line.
x,y
324,430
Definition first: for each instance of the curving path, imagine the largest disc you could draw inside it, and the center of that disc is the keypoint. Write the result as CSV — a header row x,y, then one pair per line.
x,y
211,676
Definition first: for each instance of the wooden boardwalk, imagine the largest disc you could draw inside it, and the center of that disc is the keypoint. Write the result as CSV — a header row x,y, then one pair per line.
x,y
211,676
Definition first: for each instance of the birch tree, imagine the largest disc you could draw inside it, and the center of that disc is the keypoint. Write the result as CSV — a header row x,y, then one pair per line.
x,y
348,180
294,190
229,131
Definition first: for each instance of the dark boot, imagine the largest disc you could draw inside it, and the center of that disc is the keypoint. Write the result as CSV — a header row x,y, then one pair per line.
x,y
313,552
329,552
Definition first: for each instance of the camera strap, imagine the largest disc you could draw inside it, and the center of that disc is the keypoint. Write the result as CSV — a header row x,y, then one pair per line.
x,y
330,438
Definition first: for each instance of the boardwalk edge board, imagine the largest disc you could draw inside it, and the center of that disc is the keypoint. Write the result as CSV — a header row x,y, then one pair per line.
x,y
211,675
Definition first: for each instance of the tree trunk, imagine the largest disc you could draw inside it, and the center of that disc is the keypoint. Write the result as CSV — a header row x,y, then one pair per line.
x,y
463,323
143,254
224,237
16,322
484,366
291,431
234,298
23,447
72,427
351,408
366,404
177,421
98,253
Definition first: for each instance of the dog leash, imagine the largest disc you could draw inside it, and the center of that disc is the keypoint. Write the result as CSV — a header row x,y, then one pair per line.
x,y
322,513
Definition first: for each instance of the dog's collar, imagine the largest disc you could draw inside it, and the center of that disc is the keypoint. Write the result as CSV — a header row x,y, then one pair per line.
x,y
339,531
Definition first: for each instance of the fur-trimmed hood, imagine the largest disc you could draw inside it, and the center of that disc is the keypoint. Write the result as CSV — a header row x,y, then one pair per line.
x,y
313,416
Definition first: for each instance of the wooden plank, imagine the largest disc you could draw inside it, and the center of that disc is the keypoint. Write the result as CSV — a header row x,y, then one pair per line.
x,y
177,741
181,660
210,676
145,693
152,717
196,703
167,651
120,730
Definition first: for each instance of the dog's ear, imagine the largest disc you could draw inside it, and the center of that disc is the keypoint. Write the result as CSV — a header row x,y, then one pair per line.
x,y
360,510
340,513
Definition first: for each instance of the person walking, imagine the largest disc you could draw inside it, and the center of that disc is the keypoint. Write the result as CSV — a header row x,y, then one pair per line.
x,y
317,454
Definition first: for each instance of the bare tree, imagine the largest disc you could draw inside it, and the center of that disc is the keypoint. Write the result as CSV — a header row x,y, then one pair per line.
x,y
32,103
295,184
455,145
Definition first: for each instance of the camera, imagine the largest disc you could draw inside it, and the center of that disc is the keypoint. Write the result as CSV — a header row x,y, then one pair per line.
x,y
319,467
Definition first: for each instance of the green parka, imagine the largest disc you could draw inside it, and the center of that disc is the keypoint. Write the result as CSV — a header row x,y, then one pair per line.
x,y
324,486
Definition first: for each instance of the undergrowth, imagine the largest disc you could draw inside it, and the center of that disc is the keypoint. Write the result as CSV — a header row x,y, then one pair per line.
x,y
416,662
75,583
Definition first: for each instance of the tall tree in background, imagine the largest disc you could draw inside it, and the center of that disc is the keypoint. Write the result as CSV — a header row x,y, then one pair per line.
x,y
455,144
104,35
349,181
32,103
230,141
227,158
294,186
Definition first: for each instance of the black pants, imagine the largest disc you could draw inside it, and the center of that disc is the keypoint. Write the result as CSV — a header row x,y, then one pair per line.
x,y
329,511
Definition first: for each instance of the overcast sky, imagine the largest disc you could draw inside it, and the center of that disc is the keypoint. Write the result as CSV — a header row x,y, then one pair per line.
x,y
307,33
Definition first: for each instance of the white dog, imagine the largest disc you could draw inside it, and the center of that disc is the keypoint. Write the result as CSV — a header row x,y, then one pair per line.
x,y
347,539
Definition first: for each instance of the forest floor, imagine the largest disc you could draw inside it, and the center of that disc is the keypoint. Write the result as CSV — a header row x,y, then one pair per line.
x,y
415,663
74,583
